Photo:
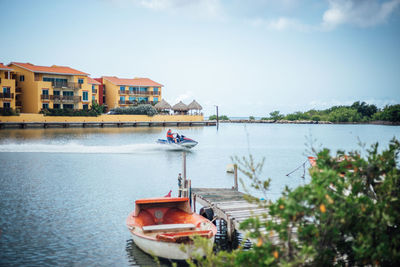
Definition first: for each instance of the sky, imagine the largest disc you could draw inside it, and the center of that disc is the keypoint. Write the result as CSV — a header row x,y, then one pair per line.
x,y
248,57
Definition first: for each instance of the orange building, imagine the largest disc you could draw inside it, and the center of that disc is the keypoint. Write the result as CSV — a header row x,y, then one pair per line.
x,y
46,87
7,87
125,92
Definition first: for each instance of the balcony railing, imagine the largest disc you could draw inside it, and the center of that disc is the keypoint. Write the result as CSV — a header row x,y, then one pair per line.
x,y
127,102
69,85
6,95
145,93
62,98
45,97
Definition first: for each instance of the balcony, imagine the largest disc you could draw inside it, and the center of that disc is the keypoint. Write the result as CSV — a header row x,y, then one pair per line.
x,y
18,103
45,97
62,98
66,85
139,93
7,95
135,103
18,90
67,99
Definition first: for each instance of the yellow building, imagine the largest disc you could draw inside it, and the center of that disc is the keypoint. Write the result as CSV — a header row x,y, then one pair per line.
x,y
7,87
52,87
95,89
127,92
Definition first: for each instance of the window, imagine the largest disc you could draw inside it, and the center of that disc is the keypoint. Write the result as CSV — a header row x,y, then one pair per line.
x,y
130,89
122,88
143,89
56,93
45,91
68,93
86,107
85,95
6,90
132,98
155,99
93,87
21,78
70,106
122,99
45,106
56,106
155,90
80,81
93,97
6,105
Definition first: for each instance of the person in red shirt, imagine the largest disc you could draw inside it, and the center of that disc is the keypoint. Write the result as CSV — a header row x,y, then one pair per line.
x,y
170,136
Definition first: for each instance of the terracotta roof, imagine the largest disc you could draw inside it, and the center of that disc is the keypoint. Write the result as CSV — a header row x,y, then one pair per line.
x,y
92,81
4,67
132,82
53,69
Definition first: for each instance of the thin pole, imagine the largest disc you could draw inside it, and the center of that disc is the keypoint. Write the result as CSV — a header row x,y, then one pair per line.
x,y
236,178
184,166
217,117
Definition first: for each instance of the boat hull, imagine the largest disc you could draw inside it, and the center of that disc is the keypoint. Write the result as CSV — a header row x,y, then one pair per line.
x,y
182,144
167,250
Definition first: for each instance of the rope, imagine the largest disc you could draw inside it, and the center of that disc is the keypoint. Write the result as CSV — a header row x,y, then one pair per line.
x,y
304,169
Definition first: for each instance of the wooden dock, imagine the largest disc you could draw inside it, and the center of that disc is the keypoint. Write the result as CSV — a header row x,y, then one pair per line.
x,y
23,125
227,204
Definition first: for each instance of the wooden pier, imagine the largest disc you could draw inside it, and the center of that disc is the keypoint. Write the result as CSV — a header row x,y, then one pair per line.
x,y
23,125
227,204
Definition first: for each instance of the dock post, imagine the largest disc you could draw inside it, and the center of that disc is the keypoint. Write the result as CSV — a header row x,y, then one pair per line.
x,y
184,165
236,177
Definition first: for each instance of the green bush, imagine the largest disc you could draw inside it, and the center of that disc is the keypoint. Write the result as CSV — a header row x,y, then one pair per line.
x,y
9,112
70,112
251,118
347,215
316,118
145,109
220,117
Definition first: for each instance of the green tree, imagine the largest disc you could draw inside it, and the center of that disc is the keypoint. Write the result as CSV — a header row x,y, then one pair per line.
x,y
276,115
349,214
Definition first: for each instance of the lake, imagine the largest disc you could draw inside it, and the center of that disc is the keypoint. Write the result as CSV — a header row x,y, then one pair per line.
x,y
65,193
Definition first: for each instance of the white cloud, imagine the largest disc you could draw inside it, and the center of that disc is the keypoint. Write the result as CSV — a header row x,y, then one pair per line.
x,y
364,13
281,24
209,8
185,98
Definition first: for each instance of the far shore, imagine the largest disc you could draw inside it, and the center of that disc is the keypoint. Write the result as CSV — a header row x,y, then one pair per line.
x,y
309,122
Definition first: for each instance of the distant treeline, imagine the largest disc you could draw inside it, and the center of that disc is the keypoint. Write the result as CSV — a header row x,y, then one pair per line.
x,y
357,112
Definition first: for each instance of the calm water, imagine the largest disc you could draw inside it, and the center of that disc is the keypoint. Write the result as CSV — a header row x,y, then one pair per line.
x,y
65,193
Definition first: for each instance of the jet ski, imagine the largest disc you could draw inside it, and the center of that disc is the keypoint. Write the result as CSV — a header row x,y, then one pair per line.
x,y
181,141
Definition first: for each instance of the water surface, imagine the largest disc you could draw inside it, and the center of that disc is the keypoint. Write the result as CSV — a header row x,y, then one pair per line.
x,y
65,193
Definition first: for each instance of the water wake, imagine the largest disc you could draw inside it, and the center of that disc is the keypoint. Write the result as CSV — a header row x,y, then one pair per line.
x,y
86,149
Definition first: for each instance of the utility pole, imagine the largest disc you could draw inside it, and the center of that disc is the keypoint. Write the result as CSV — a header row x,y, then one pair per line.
x,y
217,117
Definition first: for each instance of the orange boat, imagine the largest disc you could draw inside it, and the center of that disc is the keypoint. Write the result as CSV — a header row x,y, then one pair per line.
x,y
162,226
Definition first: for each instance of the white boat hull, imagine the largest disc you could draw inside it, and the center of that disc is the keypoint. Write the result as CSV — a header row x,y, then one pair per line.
x,y
167,250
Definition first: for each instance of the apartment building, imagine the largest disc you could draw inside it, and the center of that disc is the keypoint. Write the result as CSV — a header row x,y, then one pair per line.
x,y
95,90
7,87
46,87
121,92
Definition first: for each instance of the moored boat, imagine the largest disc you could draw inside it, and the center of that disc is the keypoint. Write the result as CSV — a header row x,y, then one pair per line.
x,y
162,226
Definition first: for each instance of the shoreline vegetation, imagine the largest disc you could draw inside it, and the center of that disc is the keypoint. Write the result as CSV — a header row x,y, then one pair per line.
x,y
357,113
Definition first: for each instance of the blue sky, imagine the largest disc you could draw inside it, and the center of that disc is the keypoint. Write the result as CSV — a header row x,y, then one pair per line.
x,y
247,57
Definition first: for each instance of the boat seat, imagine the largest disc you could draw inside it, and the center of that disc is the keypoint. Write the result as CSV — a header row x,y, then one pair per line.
x,y
169,227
